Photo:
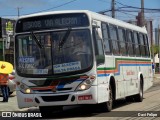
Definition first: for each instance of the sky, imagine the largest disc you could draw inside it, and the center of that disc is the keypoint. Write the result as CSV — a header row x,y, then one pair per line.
x,y
9,8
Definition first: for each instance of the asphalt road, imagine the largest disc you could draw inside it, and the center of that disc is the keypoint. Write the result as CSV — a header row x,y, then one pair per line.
x,y
121,110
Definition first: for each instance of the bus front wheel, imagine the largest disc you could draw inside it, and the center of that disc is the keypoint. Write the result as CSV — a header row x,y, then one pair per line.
x,y
107,106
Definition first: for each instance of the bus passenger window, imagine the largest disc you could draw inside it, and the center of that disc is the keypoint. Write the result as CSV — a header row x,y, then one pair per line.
x,y
107,45
137,49
122,41
130,43
142,47
114,39
146,46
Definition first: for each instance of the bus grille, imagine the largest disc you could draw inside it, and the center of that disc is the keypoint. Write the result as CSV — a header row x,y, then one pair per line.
x,y
55,98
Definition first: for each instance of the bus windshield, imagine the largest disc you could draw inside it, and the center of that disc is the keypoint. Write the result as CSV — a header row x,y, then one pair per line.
x,y
64,51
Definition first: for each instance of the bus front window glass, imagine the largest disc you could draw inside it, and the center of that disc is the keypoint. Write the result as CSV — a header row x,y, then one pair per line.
x,y
55,53
74,55
31,58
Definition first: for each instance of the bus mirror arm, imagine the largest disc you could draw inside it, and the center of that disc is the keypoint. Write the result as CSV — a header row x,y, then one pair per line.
x,y
96,26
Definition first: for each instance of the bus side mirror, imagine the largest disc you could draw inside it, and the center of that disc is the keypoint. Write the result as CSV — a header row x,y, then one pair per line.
x,y
98,45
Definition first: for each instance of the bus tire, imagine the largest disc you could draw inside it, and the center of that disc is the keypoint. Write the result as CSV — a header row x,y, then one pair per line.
x,y
139,97
107,106
47,111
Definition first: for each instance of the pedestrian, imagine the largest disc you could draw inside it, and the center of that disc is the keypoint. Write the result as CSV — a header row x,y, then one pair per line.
x,y
5,69
4,86
153,68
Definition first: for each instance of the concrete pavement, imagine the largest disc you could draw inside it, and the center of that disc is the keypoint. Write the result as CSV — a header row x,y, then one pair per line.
x,y
156,79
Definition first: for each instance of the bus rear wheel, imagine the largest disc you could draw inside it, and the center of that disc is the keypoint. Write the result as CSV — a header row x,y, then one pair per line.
x,y
107,106
139,97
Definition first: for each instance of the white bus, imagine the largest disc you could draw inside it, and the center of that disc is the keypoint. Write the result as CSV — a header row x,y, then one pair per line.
x,y
79,57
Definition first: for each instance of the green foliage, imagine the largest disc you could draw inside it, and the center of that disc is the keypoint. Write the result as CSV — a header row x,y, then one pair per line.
x,y
155,49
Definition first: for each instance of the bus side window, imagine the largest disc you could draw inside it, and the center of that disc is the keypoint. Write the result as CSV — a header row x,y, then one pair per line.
x,y
137,49
107,41
130,47
98,45
146,46
142,47
114,39
122,41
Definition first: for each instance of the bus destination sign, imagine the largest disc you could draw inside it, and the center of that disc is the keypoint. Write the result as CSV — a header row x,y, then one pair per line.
x,y
52,22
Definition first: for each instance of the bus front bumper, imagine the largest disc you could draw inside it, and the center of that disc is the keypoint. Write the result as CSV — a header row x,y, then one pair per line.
x,y
57,99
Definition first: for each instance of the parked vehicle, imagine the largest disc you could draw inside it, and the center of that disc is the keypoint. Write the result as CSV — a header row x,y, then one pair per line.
x,y
11,83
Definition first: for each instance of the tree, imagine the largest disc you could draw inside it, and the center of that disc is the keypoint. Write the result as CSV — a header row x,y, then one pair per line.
x,y
155,49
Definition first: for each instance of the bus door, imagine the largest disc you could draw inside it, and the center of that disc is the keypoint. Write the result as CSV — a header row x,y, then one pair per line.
x,y
100,61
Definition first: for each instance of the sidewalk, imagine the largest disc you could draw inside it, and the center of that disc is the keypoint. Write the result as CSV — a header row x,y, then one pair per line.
x,y
156,79
156,75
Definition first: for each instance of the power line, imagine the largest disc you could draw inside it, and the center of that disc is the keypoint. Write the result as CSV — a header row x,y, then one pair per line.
x,y
127,13
47,9
140,8
55,7
126,6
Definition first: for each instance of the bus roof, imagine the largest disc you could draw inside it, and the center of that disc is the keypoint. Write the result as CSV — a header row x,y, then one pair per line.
x,y
95,16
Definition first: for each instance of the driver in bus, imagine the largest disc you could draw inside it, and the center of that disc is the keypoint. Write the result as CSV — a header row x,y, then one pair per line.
x,y
81,47
81,51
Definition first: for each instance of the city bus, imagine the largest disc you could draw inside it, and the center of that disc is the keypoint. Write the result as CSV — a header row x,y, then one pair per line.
x,y
79,57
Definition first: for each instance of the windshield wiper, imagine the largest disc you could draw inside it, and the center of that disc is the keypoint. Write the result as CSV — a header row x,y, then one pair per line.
x,y
64,39
36,40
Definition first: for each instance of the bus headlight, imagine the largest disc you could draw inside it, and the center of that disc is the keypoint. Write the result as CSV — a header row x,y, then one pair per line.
x,y
25,89
28,90
86,84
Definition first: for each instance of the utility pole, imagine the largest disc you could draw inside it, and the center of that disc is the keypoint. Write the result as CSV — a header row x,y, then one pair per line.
x,y
18,9
142,13
113,8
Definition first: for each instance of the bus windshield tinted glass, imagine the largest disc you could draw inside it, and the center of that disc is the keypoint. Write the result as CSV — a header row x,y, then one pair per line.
x,y
75,54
